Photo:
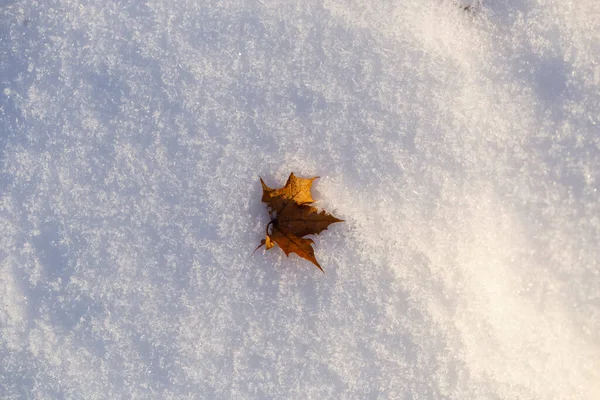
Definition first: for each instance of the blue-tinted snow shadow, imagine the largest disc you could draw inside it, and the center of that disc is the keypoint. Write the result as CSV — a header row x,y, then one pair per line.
x,y
505,13
335,315
43,284
179,228
12,65
555,86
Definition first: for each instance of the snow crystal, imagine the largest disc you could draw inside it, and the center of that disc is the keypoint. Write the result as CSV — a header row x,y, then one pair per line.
x,y
461,147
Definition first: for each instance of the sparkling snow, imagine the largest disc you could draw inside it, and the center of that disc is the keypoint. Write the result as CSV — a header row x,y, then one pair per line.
x,y
461,147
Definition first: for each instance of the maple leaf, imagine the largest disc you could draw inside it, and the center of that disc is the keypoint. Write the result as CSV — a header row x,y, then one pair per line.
x,y
291,243
304,220
292,217
296,190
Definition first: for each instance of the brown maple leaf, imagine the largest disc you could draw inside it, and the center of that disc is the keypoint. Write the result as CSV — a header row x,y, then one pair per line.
x,y
296,190
292,217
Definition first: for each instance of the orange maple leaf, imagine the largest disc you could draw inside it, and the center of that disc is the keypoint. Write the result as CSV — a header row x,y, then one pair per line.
x,y
292,217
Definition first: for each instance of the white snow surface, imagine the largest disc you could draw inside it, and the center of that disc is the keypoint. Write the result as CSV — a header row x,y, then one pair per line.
x,y
461,147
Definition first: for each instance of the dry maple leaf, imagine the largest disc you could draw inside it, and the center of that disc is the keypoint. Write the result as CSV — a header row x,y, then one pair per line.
x,y
292,217
296,190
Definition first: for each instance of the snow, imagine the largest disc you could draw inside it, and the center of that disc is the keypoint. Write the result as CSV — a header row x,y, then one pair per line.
x,y
462,149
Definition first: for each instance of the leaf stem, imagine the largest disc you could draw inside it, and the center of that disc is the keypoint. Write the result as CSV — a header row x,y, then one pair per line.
x,y
273,222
